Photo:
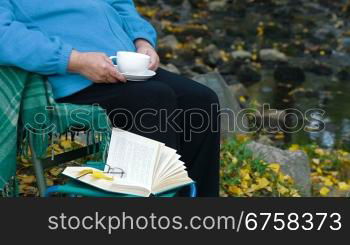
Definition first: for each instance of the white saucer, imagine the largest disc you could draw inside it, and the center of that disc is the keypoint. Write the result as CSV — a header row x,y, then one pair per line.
x,y
139,77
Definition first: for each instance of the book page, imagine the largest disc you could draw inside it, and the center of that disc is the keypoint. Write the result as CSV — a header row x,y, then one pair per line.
x,y
174,163
176,168
166,156
164,166
179,179
135,155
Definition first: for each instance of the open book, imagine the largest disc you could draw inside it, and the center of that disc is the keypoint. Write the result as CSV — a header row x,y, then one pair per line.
x,y
135,165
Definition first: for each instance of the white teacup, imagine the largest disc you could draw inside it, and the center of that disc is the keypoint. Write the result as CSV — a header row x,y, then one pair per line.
x,y
131,62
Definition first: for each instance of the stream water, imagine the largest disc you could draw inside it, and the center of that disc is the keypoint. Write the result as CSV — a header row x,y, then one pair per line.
x,y
320,92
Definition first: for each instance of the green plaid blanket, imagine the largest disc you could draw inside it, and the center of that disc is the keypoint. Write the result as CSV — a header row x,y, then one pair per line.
x,y
27,108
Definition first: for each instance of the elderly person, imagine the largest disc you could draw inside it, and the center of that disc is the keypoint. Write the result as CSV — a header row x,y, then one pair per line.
x,y
71,41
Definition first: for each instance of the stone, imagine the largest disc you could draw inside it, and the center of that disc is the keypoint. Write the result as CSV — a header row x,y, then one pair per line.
x,y
169,41
217,5
241,54
238,90
231,120
294,164
265,140
228,68
170,67
211,55
272,55
248,76
325,33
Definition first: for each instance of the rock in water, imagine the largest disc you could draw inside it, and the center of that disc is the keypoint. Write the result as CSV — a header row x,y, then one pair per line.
x,y
295,164
248,76
231,120
272,55
241,54
217,5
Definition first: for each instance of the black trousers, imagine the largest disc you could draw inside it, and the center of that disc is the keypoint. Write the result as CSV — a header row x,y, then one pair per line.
x,y
169,108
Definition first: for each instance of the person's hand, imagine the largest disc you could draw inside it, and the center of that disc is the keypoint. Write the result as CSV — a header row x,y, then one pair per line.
x,y
97,67
145,47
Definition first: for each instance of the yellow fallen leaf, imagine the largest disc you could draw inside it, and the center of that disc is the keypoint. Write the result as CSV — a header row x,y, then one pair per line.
x,y
343,186
279,136
253,188
24,160
294,193
262,183
320,151
242,99
254,57
239,47
242,138
288,179
328,182
275,167
316,161
343,153
235,190
244,173
224,56
66,144
245,184
282,190
294,147
25,179
28,190
56,148
324,191
234,160
49,182
283,177
55,171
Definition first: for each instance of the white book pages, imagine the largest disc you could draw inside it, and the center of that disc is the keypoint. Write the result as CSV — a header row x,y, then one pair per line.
x,y
135,155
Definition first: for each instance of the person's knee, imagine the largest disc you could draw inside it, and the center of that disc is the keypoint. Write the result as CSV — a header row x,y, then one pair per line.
x,y
206,97
211,96
161,95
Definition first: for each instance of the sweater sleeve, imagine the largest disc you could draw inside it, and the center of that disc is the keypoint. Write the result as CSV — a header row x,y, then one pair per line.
x,y
29,48
135,26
